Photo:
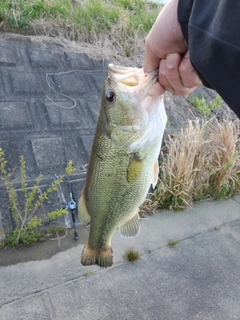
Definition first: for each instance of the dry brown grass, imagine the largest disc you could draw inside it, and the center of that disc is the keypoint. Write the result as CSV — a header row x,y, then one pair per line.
x,y
199,162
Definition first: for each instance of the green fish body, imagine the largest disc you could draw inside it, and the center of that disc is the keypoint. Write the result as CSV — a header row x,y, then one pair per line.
x,y
123,162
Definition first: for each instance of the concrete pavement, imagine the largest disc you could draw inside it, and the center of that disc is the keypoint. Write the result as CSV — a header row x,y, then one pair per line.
x,y
197,279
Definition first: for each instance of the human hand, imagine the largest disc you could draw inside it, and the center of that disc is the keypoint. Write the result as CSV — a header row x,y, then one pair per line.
x,y
167,50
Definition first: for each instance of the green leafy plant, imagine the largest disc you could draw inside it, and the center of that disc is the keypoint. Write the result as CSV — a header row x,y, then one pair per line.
x,y
202,105
33,236
25,215
216,103
18,22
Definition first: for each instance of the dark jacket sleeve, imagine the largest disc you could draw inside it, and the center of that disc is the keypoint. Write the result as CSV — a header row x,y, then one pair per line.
x,y
212,30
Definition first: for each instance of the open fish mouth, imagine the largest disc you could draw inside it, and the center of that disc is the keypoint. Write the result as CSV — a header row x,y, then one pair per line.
x,y
132,77
140,116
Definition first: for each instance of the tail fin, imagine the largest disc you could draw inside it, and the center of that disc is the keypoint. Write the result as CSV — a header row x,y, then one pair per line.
x,y
90,256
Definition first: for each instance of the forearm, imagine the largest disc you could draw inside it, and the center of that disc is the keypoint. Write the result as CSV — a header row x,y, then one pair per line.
x,y
166,49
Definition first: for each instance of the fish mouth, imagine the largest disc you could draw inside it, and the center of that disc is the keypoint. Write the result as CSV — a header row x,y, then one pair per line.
x,y
132,77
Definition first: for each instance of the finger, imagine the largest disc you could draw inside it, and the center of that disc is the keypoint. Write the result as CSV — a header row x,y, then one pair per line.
x,y
163,80
173,61
188,74
164,77
151,61
156,90
173,76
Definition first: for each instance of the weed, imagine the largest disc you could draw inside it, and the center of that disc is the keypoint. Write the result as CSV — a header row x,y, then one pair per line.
x,y
149,206
131,255
30,236
173,243
19,22
168,122
202,105
88,273
201,161
25,215
216,103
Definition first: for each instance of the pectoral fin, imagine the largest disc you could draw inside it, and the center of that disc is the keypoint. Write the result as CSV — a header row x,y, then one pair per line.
x,y
135,167
82,209
131,228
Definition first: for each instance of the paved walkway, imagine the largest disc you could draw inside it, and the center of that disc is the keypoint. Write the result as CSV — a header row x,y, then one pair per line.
x,y
197,279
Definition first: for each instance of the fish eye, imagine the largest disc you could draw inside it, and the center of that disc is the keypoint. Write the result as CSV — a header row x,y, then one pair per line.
x,y
110,96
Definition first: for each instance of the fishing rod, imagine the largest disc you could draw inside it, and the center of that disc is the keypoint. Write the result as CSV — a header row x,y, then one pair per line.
x,y
71,204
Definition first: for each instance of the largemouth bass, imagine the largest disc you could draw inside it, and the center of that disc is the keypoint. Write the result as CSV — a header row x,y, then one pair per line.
x,y
124,160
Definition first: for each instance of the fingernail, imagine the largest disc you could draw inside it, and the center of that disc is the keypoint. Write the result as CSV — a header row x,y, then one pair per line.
x,y
171,60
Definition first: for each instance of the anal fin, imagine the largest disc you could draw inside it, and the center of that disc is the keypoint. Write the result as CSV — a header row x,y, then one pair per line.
x,y
82,209
130,228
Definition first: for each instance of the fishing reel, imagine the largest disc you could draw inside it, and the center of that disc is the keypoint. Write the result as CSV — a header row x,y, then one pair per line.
x,y
71,206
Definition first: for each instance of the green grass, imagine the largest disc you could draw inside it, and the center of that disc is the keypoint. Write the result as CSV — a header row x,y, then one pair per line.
x,y
88,273
173,243
131,255
122,22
